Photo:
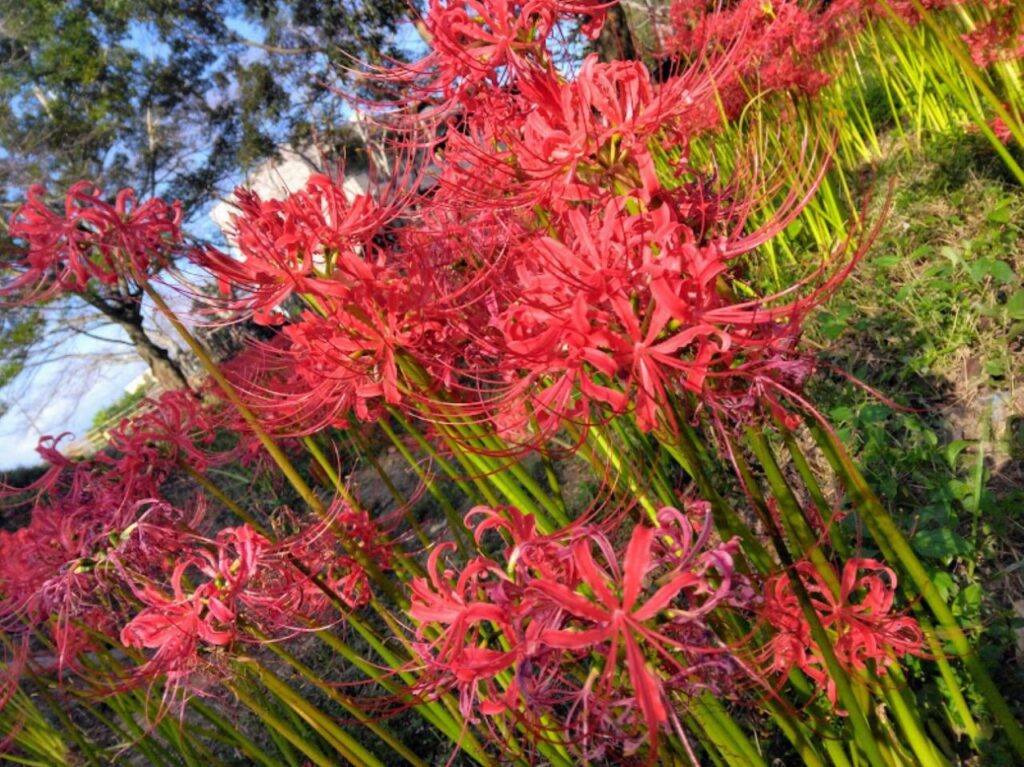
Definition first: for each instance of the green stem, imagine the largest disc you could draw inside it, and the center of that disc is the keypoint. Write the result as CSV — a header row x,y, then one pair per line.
x,y
276,723
232,395
455,522
345,702
347,746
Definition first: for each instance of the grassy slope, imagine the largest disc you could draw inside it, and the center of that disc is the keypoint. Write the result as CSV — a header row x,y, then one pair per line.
x,y
934,319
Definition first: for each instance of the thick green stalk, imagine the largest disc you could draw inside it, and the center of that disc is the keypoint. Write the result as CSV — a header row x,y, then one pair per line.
x,y
282,728
345,702
615,461
235,735
960,705
476,495
346,746
926,753
436,714
857,718
727,521
353,503
231,394
469,431
229,504
549,472
731,742
814,490
634,441
455,522
954,47
366,453
790,511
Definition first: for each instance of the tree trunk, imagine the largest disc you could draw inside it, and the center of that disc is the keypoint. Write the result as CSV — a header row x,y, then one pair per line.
x,y
166,371
616,40
126,312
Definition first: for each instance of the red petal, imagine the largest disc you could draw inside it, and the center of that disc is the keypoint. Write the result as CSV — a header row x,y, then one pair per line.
x,y
571,601
638,560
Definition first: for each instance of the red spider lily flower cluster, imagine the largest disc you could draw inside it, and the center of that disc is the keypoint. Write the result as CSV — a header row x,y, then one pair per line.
x,y
763,48
507,633
864,630
287,244
1000,38
106,558
480,43
239,581
566,263
92,240
622,295
175,429
760,47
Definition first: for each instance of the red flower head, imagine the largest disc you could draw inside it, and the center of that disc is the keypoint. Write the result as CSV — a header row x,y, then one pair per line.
x,y
568,601
93,240
315,241
859,621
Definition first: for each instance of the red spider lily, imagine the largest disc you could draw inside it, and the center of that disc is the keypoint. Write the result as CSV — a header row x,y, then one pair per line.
x,y
178,628
478,42
462,607
315,241
70,563
612,309
472,40
1001,130
529,553
173,625
594,131
563,600
859,620
92,549
759,48
93,240
175,428
612,617
327,555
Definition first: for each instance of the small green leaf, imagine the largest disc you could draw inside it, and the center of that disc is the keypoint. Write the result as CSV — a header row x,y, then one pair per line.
x,y
1014,306
944,583
952,254
936,515
968,601
960,488
995,368
1002,273
954,449
874,412
841,414
979,269
831,326
941,543
999,271
1001,213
